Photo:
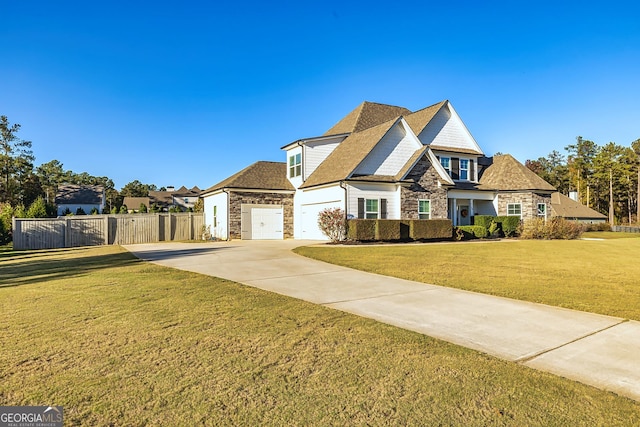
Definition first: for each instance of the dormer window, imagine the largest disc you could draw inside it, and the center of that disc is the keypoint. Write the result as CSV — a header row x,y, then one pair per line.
x,y
295,165
446,164
464,169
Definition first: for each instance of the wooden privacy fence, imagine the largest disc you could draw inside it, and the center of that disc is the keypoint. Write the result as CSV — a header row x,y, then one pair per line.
x,y
625,229
94,230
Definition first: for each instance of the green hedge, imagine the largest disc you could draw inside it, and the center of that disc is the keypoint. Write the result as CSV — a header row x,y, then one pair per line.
x,y
361,229
483,220
466,232
395,229
388,229
509,224
430,229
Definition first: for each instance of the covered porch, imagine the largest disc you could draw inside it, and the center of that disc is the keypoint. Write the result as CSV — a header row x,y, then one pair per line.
x,y
463,205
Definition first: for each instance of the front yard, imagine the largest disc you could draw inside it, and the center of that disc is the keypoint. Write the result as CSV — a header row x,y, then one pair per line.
x,y
118,341
599,276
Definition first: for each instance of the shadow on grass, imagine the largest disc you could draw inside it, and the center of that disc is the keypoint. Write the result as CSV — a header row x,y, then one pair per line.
x,y
35,270
31,268
164,254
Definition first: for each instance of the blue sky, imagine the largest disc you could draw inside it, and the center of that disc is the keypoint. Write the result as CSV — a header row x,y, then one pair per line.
x,y
188,93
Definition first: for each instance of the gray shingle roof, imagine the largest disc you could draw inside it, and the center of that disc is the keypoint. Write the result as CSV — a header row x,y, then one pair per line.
x,y
348,155
258,176
568,208
69,194
508,174
365,116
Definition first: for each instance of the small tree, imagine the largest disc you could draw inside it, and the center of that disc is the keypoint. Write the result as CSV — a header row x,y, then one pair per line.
x,y
38,209
198,206
123,209
333,224
143,208
94,211
80,211
114,210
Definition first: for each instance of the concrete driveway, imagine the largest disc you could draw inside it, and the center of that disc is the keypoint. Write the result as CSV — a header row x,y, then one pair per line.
x,y
598,350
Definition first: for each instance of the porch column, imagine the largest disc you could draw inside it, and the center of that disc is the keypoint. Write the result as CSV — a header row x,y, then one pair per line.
x,y
472,210
454,208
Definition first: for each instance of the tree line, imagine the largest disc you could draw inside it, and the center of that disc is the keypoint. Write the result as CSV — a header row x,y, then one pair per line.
x,y
604,177
22,184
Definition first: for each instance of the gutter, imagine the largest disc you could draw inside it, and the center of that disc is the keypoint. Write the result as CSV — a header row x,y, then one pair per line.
x,y
346,198
228,213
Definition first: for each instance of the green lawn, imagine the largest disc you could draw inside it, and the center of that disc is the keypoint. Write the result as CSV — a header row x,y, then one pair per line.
x,y
118,341
597,276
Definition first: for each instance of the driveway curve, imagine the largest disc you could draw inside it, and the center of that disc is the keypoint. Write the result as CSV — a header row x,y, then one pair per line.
x,y
598,350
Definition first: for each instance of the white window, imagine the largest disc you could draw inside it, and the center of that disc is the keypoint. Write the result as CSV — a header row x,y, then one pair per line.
x,y
464,169
215,216
514,209
424,209
446,164
295,165
371,208
542,210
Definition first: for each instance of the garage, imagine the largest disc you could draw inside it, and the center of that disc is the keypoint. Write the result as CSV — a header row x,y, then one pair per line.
x,y
309,219
262,222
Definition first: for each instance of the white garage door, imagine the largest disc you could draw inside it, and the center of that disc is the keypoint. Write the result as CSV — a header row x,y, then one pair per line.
x,y
262,222
309,219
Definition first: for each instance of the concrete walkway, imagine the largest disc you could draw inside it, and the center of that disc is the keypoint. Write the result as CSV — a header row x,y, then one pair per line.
x,y
598,350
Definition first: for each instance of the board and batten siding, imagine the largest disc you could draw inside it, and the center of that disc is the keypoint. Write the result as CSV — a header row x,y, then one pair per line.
x,y
219,230
373,191
390,154
315,152
447,130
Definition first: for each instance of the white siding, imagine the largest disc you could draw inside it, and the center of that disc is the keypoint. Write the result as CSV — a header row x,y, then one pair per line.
x,y
390,155
316,152
447,130
220,230
296,181
304,201
374,191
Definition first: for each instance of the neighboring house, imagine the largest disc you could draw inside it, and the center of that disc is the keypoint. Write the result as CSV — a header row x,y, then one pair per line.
x,y
72,197
183,198
379,161
133,203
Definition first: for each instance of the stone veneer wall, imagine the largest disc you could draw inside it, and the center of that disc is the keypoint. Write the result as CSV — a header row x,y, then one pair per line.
x,y
425,186
238,198
528,200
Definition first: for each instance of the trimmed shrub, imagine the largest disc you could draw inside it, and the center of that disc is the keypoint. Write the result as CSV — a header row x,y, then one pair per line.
x,y
388,229
332,223
554,229
509,224
361,229
471,232
483,220
430,229
599,226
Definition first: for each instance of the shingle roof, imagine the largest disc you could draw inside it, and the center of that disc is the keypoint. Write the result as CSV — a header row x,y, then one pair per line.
x,y
365,116
258,176
69,194
508,174
348,155
568,208
419,120
135,202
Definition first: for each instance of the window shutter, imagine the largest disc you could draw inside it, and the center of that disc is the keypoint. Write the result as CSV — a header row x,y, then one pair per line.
x,y
455,168
383,208
360,207
472,176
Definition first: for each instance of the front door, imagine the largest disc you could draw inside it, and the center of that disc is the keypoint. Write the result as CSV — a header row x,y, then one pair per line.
x,y
464,215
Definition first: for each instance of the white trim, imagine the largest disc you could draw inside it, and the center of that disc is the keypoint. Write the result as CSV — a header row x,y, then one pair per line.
x,y
424,213
515,204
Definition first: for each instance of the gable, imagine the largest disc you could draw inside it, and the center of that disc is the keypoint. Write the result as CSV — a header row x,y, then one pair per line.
x,y
365,116
446,131
391,153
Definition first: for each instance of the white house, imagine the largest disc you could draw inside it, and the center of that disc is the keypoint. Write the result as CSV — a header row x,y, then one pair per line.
x,y
379,161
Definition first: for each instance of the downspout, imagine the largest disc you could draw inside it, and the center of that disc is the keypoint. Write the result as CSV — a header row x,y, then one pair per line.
x,y
228,214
